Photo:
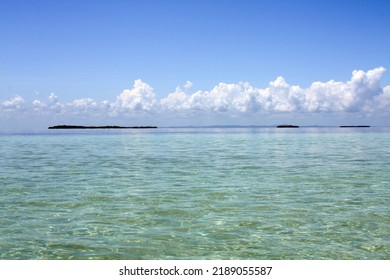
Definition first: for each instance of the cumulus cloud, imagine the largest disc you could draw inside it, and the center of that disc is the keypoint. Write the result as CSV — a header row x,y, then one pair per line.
x,y
14,103
38,105
188,85
53,98
176,101
362,93
139,98
379,103
82,106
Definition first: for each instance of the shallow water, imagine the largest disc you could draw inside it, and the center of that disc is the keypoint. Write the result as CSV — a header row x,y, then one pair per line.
x,y
216,193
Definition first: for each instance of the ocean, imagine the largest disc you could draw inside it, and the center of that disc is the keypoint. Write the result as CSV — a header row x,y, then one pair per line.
x,y
196,193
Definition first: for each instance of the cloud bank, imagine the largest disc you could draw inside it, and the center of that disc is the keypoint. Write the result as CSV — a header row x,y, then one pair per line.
x,y
362,94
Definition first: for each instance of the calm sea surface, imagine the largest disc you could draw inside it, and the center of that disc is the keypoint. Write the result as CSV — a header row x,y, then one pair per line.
x,y
196,193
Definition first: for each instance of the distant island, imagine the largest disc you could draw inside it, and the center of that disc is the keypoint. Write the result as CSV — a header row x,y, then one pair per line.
x,y
287,126
343,126
99,127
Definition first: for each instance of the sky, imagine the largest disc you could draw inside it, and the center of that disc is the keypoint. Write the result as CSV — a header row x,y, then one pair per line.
x,y
193,62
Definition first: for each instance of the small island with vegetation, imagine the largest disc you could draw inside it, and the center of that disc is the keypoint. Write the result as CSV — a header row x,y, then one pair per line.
x,y
99,127
287,126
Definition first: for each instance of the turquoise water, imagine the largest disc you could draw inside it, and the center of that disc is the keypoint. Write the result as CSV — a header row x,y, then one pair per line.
x,y
227,193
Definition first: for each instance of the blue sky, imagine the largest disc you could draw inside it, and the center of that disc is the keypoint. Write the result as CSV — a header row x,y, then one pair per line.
x,y
56,52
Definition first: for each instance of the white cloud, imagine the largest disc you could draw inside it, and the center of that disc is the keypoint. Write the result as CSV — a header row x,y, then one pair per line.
x,y
176,101
361,94
53,98
281,97
379,103
139,98
365,87
83,103
327,97
38,105
81,106
14,103
188,85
